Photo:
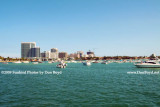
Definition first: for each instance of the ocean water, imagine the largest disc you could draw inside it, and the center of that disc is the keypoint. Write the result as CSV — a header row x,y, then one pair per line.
x,y
96,85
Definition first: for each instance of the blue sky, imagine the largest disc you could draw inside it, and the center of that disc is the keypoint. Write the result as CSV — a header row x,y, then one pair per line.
x,y
108,27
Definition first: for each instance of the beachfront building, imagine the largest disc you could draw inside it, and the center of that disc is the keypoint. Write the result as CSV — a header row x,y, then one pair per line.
x,y
45,54
35,52
73,55
26,49
63,55
54,53
80,54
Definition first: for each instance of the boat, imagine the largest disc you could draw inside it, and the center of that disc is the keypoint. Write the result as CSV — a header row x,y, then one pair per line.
x,y
26,62
95,62
17,62
49,62
87,63
35,62
61,65
73,61
104,62
148,64
40,61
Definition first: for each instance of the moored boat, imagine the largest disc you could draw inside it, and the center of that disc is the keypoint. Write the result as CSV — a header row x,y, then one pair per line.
x,y
87,63
61,65
40,61
104,62
35,62
95,62
17,62
25,61
148,64
49,62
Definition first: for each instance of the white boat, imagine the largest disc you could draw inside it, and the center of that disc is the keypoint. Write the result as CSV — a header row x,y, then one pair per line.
x,y
87,63
148,64
35,62
73,61
49,62
104,62
17,62
40,61
26,62
61,65
95,62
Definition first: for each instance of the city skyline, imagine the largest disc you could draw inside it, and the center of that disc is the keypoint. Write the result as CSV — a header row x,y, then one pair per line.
x,y
109,28
30,50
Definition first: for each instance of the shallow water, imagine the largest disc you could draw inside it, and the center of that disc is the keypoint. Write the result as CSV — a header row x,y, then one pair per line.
x,y
78,85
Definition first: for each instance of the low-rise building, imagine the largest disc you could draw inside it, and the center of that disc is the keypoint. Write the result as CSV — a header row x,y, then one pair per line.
x,y
63,55
80,54
45,54
54,53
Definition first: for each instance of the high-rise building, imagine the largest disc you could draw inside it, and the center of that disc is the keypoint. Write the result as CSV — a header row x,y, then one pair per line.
x,y
35,52
54,53
63,55
26,49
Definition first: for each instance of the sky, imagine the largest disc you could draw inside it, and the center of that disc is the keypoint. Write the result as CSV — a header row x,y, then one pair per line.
x,y
107,27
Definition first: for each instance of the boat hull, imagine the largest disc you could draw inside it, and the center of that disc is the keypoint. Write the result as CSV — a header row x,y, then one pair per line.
x,y
18,62
87,64
148,66
35,62
26,62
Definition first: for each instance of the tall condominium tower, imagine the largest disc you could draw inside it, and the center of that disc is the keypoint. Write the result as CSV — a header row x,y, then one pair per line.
x,y
26,49
35,52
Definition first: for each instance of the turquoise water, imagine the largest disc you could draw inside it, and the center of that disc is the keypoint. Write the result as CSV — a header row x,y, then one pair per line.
x,y
78,85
